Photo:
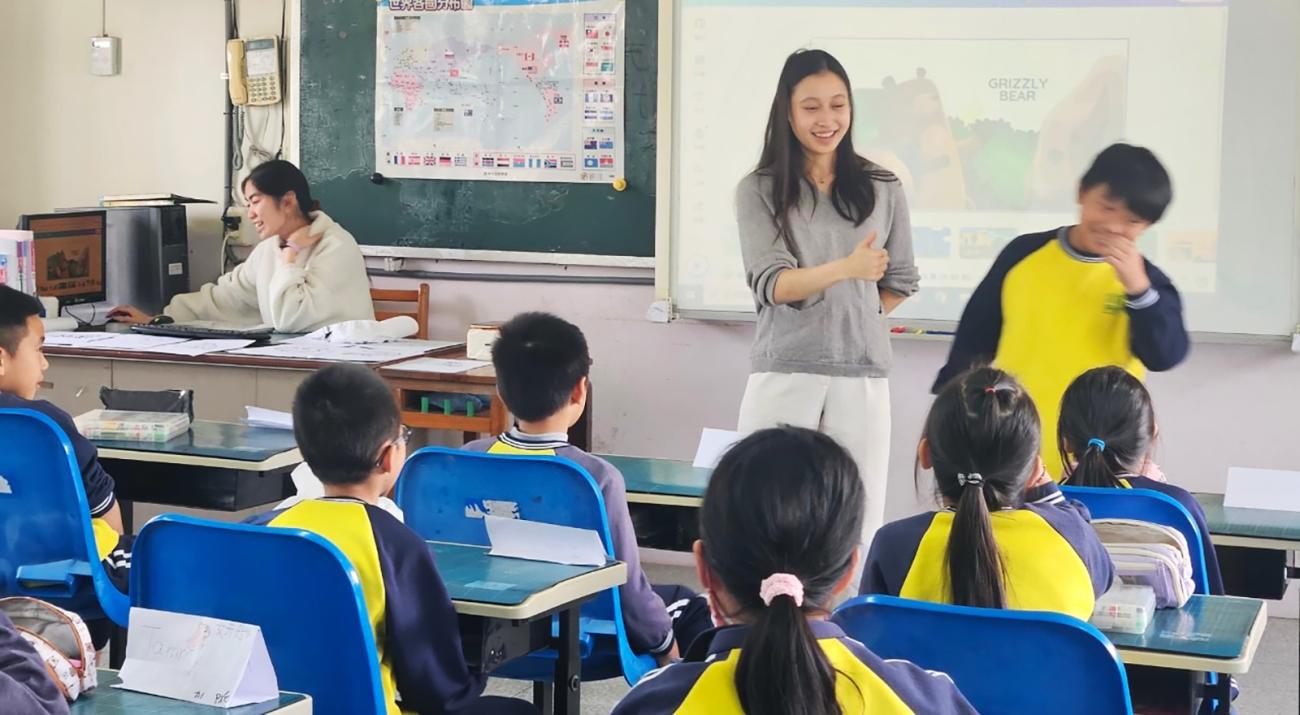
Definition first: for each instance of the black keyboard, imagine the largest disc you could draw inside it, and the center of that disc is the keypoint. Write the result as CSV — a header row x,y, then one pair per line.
x,y
203,329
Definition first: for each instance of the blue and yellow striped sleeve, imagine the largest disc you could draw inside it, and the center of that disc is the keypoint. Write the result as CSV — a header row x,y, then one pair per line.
x,y
422,629
1070,519
893,550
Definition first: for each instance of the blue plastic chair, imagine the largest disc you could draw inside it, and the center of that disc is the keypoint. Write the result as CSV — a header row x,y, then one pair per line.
x,y
1003,661
47,548
1146,505
295,585
443,491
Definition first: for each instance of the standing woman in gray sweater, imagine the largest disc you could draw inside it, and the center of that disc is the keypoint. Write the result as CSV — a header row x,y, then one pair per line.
x,y
827,246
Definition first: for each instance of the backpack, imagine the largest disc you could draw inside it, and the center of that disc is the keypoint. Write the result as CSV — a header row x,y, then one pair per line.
x,y
60,638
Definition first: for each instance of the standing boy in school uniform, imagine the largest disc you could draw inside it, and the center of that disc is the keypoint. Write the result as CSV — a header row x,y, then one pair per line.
x,y
542,365
1059,303
22,370
349,429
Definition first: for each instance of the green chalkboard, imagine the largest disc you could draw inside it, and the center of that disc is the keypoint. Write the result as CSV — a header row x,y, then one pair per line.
x,y
337,152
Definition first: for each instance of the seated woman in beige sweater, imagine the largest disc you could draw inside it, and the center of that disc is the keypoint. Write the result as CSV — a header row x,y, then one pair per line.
x,y
307,272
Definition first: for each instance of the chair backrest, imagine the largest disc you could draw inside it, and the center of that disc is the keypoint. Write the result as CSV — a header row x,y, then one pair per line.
x,y
1151,506
419,310
295,585
45,521
1003,661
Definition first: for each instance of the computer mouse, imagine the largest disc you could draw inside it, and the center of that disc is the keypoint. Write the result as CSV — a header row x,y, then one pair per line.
x,y
162,320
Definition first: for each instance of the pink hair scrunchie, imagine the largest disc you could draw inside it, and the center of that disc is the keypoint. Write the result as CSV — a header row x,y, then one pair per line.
x,y
781,584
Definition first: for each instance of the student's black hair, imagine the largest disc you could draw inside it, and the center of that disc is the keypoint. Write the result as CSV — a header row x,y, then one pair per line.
x,y
343,415
1108,423
852,195
539,359
982,423
276,178
15,308
1134,175
783,500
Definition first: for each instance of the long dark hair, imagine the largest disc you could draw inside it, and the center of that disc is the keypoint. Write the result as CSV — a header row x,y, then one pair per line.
x,y
783,500
276,178
983,423
852,195
1107,421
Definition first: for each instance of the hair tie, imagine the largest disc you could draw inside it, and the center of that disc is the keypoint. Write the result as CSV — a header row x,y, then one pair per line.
x,y
781,584
972,479
1100,445
990,390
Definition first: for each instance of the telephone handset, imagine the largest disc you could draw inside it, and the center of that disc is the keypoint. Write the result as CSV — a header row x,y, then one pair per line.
x,y
254,69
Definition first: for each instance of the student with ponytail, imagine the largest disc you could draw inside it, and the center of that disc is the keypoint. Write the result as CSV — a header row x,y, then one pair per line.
x,y
1105,436
1006,537
778,539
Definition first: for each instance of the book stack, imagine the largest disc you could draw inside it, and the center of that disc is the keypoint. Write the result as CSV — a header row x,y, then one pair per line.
x,y
114,200
127,426
18,260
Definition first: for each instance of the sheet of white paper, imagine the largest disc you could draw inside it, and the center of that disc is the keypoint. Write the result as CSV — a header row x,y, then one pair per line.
x,y
536,541
197,659
262,417
304,349
435,365
193,348
713,444
134,341
1274,489
74,340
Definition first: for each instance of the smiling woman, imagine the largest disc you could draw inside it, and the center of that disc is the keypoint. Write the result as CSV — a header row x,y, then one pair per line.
x,y
827,247
307,271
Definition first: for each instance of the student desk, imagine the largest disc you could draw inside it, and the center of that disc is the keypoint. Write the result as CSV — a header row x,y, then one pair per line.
x,y
661,481
215,465
505,607
107,700
1209,634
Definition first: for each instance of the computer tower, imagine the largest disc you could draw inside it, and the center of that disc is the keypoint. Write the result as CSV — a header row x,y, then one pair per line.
x,y
148,255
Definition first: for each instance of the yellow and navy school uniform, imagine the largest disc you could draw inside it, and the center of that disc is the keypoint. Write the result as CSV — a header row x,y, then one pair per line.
x,y
1051,556
416,628
704,683
1048,313
1213,577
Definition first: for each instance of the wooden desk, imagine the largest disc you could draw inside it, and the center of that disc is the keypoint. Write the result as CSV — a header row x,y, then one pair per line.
x,y
506,607
107,700
215,465
1209,634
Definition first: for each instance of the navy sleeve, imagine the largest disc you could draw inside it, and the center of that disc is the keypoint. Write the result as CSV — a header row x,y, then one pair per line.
x,y
25,684
1213,578
1157,335
1072,521
99,485
925,691
980,328
892,552
423,632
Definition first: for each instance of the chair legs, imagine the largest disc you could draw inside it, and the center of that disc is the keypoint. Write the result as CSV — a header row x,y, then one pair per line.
x,y
544,697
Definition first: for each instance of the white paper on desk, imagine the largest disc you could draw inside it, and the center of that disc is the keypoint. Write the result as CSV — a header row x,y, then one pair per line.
x,y
535,541
197,659
134,341
194,348
1274,489
713,444
68,339
441,365
262,417
310,349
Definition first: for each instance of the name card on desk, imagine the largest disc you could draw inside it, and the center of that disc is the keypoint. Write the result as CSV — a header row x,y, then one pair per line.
x,y
535,541
1274,489
197,659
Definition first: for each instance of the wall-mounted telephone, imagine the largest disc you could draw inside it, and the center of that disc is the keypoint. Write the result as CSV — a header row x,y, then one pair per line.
x,y
254,69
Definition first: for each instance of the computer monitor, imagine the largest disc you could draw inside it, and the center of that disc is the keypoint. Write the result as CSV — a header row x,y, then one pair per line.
x,y
70,254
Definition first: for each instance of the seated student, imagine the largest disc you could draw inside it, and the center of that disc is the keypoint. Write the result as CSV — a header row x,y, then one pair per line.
x,y
1106,432
1006,537
307,271
778,540
22,370
542,365
25,685
349,430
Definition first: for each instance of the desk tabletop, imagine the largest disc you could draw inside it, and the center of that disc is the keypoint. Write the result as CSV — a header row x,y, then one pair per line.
x,y
1209,633
213,444
486,375
1239,524
107,700
516,589
661,481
